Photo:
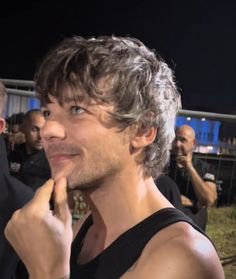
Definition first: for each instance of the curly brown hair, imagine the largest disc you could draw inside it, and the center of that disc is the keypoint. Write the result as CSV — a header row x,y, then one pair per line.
x,y
140,85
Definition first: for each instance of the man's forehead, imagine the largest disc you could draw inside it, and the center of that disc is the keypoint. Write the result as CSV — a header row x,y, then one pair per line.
x,y
72,93
185,132
78,94
68,97
35,116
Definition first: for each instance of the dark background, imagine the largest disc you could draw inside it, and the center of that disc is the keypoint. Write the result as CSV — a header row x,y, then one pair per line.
x,y
196,38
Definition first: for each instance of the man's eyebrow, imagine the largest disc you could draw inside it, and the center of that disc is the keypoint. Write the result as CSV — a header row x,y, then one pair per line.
x,y
180,138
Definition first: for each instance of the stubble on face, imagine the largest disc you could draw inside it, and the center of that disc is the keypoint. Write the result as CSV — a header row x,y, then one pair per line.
x,y
89,169
96,154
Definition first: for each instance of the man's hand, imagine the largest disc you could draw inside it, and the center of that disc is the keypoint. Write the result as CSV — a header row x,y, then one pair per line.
x,y
186,201
42,238
184,161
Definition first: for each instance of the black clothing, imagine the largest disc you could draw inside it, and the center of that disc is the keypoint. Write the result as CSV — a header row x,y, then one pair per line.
x,y
170,190
116,259
180,176
13,195
33,169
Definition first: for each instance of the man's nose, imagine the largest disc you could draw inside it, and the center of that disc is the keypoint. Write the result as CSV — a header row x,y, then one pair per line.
x,y
39,134
52,130
178,143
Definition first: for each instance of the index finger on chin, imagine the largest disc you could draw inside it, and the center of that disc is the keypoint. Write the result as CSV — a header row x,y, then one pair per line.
x,y
43,194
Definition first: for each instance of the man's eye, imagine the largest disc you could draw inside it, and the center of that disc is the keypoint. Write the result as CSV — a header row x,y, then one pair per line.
x,y
35,129
76,110
46,114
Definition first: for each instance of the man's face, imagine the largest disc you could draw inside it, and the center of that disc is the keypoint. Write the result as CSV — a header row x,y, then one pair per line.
x,y
184,142
17,136
15,128
83,143
32,132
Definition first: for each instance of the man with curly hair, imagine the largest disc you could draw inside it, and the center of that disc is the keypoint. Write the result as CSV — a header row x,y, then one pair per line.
x,y
110,105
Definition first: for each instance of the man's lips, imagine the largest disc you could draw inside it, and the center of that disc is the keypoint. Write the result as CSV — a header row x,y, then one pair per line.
x,y
60,152
58,157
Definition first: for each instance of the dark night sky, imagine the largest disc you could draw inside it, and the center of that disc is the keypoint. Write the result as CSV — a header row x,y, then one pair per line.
x,y
196,38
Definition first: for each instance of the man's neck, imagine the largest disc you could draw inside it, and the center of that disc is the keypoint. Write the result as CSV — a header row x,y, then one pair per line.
x,y
29,150
119,207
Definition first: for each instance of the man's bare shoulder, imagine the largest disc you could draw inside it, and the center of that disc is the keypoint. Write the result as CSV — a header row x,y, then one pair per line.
x,y
176,252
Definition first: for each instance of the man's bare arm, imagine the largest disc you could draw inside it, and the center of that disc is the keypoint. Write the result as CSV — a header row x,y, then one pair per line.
x,y
205,191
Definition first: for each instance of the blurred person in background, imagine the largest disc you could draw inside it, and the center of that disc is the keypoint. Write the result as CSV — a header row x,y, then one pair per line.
x,y
27,161
15,136
169,189
13,195
194,177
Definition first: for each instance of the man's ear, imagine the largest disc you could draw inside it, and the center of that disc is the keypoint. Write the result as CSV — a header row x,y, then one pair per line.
x,y
2,124
144,137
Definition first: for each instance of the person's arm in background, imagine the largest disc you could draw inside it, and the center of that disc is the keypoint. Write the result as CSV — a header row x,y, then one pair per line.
x,y
206,191
186,201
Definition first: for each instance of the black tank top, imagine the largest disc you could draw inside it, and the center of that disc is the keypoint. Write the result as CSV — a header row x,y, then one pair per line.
x,y
117,258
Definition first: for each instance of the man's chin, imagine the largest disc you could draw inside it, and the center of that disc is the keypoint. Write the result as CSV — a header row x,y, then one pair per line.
x,y
58,175
38,147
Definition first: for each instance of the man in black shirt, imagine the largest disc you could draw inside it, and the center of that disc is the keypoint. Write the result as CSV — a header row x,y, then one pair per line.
x,y
195,178
27,161
167,186
13,195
